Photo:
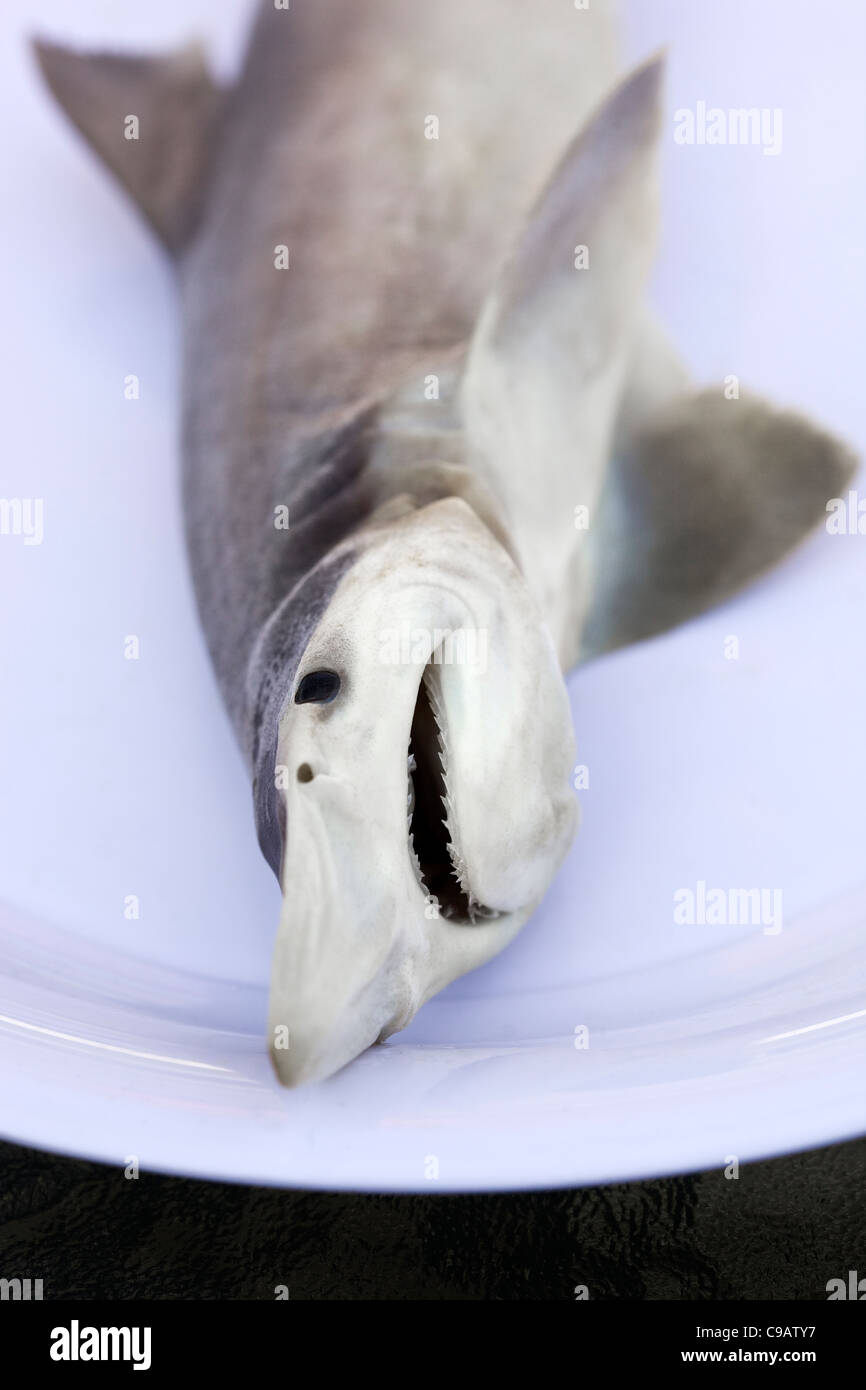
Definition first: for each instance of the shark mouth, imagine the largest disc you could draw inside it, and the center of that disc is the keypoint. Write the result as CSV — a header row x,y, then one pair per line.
x,y
439,866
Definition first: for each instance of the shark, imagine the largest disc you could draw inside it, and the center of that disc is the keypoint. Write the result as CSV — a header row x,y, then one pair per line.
x,y
436,453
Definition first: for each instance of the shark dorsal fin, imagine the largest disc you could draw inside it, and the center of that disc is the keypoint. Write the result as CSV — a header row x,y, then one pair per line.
x,y
161,157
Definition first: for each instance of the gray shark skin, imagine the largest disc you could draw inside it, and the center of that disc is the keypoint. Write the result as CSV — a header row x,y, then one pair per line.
x,y
411,243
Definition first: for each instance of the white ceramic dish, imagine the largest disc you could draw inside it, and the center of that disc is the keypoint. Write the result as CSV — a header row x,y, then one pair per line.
x,y
142,1035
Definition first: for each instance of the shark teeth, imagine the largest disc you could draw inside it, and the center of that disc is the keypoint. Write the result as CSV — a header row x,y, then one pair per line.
x,y
416,863
459,871
411,766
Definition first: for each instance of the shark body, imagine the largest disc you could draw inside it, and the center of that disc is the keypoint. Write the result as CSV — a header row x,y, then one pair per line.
x,y
411,244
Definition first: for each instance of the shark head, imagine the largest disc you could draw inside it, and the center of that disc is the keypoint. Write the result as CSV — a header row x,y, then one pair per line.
x,y
423,766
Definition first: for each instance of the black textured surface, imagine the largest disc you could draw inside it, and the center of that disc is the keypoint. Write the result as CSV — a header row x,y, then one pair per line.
x,y
779,1231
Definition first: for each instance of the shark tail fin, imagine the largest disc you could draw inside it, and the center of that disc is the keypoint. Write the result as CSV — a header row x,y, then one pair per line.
x,y
150,119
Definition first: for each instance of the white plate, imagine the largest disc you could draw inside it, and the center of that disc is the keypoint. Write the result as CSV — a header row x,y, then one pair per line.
x,y
143,1036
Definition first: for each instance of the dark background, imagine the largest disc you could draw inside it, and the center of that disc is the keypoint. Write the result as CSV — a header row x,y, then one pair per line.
x,y
779,1231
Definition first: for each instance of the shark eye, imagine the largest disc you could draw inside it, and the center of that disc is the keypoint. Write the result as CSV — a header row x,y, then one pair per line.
x,y
318,688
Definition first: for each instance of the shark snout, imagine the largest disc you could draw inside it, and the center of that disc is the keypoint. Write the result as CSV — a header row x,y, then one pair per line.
x,y
321,1020
349,952
314,1047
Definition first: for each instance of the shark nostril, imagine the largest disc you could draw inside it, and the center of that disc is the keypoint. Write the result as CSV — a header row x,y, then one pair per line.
x,y
305,773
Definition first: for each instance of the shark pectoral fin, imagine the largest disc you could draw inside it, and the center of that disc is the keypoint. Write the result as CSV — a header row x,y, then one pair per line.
x,y
151,121
704,497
